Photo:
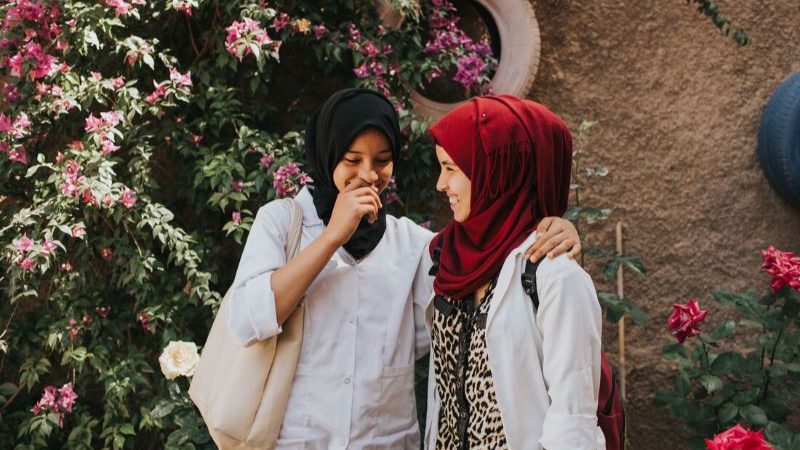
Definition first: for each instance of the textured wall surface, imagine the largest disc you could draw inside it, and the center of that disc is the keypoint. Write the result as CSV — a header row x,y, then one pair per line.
x,y
678,107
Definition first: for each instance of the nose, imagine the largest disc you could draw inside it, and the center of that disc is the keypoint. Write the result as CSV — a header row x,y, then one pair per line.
x,y
368,175
441,184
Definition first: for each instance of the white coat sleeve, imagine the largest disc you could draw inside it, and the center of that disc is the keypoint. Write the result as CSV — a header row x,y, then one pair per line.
x,y
570,320
251,312
422,291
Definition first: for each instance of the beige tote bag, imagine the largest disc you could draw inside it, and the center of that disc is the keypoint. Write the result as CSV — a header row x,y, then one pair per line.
x,y
242,392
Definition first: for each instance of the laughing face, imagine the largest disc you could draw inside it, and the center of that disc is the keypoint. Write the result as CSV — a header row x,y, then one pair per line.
x,y
455,184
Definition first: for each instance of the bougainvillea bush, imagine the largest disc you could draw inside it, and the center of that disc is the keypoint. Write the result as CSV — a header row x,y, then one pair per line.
x,y
137,141
745,370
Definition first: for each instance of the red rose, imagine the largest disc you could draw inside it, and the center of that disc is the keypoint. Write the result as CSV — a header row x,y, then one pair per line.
x,y
685,320
784,268
738,438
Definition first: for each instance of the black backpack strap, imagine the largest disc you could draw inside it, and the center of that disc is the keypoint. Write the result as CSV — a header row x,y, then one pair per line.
x,y
529,282
437,254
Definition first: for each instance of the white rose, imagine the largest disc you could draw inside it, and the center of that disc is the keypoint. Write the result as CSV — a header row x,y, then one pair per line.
x,y
179,358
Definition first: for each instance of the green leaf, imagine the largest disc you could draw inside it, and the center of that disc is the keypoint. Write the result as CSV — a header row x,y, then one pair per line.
x,y
753,414
90,37
725,363
674,350
711,383
725,329
727,413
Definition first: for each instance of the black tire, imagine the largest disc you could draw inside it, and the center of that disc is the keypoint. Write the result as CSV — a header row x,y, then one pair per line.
x,y
779,140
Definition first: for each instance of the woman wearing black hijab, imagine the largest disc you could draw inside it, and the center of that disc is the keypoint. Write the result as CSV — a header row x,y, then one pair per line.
x,y
363,277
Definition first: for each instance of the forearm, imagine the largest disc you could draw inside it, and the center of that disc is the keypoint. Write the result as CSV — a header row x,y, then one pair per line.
x,y
290,282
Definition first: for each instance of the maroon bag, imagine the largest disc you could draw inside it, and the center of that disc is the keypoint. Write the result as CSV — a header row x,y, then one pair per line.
x,y
610,414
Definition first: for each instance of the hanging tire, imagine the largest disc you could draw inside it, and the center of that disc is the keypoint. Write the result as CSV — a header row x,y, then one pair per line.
x,y
779,140
520,48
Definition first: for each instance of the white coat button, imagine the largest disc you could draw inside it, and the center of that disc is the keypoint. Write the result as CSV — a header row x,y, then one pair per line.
x,y
347,380
352,319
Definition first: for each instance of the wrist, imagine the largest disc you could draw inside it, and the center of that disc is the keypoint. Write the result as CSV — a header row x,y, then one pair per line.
x,y
330,240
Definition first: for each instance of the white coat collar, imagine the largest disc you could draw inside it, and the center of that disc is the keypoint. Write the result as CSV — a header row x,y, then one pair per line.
x,y
508,274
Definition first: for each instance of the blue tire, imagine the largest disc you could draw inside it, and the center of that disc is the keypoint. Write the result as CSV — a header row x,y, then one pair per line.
x,y
779,140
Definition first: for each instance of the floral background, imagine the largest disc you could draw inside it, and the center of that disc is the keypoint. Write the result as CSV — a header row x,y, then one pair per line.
x,y
138,139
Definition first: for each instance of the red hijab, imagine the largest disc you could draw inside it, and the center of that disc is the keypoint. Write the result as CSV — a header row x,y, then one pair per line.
x,y
518,157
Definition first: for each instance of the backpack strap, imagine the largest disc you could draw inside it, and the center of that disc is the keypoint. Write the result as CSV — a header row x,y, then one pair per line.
x,y
435,257
529,282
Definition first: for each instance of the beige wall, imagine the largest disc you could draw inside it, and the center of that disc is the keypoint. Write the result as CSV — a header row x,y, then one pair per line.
x,y
678,107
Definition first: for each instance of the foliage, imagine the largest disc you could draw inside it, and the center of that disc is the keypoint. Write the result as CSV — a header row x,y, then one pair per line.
x,y
711,10
138,141
747,369
615,306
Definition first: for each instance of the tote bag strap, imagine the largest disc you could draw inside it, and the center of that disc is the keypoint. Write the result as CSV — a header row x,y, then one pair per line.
x,y
295,234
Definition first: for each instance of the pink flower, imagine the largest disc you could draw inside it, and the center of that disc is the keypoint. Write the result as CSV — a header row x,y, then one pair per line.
x,y
369,50
361,71
23,244
784,268
100,124
236,217
48,246
237,185
54,400
87,197
280,22
738,438
266,161
183,7
320,31
78,231
18,155
242,34
180,79
685,320
120,6
108,201
67,397
128,198
96,76
108,147
106,253
26,263
285,179
111,118
66,266
118,82
157,94
102,311
144,319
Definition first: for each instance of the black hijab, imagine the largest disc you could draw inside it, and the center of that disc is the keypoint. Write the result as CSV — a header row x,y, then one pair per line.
x,y
328,136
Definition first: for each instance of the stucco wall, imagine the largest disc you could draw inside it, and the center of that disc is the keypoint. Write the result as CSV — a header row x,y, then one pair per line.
x,y
678,107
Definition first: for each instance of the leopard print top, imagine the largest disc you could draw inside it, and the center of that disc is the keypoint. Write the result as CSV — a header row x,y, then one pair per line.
x,y
469,417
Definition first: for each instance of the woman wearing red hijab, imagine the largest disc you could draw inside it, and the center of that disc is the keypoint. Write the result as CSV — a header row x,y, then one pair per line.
x,y
506,375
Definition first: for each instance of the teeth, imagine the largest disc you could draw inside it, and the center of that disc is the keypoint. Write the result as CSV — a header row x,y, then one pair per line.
x,y
453,199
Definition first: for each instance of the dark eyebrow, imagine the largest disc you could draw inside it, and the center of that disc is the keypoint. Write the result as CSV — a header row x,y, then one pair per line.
x,y
357,151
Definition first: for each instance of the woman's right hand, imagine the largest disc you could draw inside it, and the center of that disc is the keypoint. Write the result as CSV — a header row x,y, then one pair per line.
x,y
358,199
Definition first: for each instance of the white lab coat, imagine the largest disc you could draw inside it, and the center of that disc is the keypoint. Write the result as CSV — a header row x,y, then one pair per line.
x,y
363,330
545,365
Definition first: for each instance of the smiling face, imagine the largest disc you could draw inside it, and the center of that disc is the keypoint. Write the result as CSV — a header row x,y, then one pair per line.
x,y
367,161
453,182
